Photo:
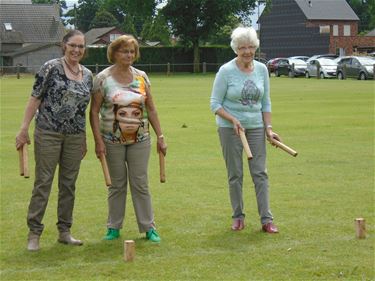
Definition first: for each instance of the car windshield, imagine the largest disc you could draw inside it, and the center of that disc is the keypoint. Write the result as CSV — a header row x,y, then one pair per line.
x,y
366,60
297,61
327,62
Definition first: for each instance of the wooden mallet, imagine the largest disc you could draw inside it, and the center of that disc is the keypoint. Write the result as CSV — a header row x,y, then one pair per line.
x,y
285,148
162,167
24,161
245,145
107,176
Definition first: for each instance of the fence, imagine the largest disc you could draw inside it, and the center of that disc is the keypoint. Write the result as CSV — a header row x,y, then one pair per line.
x,y
166,68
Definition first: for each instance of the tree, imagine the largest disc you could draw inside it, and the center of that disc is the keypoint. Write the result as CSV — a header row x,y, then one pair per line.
x,y
156,29
365,10
82,15
138,11
128,26
103,19
194,20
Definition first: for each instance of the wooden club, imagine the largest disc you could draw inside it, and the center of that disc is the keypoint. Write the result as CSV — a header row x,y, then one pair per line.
x,y
285,148
162,167
245,145
107,176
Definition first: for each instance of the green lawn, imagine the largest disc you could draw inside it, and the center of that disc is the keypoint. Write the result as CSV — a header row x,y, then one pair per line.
x,y
315,197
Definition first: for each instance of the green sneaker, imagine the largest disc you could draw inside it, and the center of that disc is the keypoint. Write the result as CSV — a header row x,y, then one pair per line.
x,y
112,234
152,235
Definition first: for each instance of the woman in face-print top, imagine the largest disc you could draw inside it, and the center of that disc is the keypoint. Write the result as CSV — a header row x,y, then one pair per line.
x,y
241,101
121,111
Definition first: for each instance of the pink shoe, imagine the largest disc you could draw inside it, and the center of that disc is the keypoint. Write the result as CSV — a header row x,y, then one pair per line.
x,y
238,224
270,228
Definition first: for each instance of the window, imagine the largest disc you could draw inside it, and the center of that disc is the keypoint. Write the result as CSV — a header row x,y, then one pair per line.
x,y
335,30
8,26
113,37
346,30
324,29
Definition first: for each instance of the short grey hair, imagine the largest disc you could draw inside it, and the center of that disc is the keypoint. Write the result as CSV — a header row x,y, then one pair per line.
x,y
243,35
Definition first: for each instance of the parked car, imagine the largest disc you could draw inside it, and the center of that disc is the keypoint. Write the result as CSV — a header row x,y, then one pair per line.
x,y
327,68
328,56
305,58
285,67
271,64
356,67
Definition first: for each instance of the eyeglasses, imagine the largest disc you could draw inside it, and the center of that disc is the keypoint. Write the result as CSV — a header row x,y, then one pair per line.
x,y
76,46
126,52
245,48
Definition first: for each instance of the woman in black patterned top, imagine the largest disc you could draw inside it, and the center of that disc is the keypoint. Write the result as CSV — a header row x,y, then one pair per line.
x,y
59,99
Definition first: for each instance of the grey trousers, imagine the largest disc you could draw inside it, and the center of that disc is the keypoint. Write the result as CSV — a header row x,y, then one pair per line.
x,y
50,149
232,151
129,162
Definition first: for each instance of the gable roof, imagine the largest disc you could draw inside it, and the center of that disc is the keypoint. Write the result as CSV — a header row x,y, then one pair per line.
x,y
94,34
30,48
38,23
327,10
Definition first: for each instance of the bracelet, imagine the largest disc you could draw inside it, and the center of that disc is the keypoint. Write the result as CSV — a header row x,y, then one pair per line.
x,y
161,136
269,126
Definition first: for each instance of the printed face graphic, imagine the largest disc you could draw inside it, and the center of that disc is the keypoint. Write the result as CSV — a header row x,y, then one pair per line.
x,y
128,118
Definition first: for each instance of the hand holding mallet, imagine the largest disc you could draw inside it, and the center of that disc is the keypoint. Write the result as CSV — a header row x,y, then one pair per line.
x,y
107,176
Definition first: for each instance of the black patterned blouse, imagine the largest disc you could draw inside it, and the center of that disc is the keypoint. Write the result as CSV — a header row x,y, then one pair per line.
x,y
63,101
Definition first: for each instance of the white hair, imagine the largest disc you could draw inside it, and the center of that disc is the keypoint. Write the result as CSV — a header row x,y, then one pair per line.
x,y
243,35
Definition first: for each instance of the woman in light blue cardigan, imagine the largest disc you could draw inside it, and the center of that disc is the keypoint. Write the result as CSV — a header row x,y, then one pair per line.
x,y
241,100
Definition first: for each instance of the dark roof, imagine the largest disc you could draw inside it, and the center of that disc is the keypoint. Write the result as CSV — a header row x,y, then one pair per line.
x,y
327,10
94,34
29,48
11,37
38,23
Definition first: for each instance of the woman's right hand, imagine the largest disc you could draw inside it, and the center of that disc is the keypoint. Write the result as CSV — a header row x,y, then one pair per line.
x,y
236,126
100,148
22,138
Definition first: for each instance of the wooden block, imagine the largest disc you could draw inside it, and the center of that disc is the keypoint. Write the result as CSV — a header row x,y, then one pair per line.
x,y
129,250
360,228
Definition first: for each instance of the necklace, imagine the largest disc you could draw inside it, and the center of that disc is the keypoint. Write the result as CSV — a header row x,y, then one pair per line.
x,y
75,73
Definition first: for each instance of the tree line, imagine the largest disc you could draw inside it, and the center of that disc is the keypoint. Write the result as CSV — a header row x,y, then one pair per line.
x,y
192,22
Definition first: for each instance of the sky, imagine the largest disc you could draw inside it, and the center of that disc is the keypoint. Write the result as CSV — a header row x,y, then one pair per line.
x,y
254,17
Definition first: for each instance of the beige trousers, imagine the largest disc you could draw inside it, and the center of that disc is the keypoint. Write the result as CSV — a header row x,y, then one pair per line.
x,y
50,149
129,163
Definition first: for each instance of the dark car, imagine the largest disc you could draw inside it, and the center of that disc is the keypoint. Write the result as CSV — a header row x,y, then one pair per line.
x,y
361,68
285,67
271,64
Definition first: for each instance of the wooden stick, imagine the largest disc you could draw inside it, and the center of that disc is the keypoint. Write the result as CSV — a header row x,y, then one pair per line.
x,y
360,228
162,167
107,176
245,145
285,148
129,250
20,154
25,158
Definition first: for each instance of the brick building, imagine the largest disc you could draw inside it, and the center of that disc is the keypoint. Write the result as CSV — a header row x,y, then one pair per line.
x,y
309,27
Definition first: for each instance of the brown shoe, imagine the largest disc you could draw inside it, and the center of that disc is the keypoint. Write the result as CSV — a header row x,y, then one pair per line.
x,y
33,242
66,238
270,228
238,224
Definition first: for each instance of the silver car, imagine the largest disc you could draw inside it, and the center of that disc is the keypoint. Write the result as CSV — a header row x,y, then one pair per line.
x,y
327,68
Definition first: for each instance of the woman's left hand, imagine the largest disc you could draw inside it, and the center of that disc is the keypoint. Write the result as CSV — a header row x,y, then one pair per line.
x,y
161,146
271,135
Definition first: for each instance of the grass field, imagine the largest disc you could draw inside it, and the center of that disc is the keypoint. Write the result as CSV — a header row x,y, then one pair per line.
x,y
315,197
